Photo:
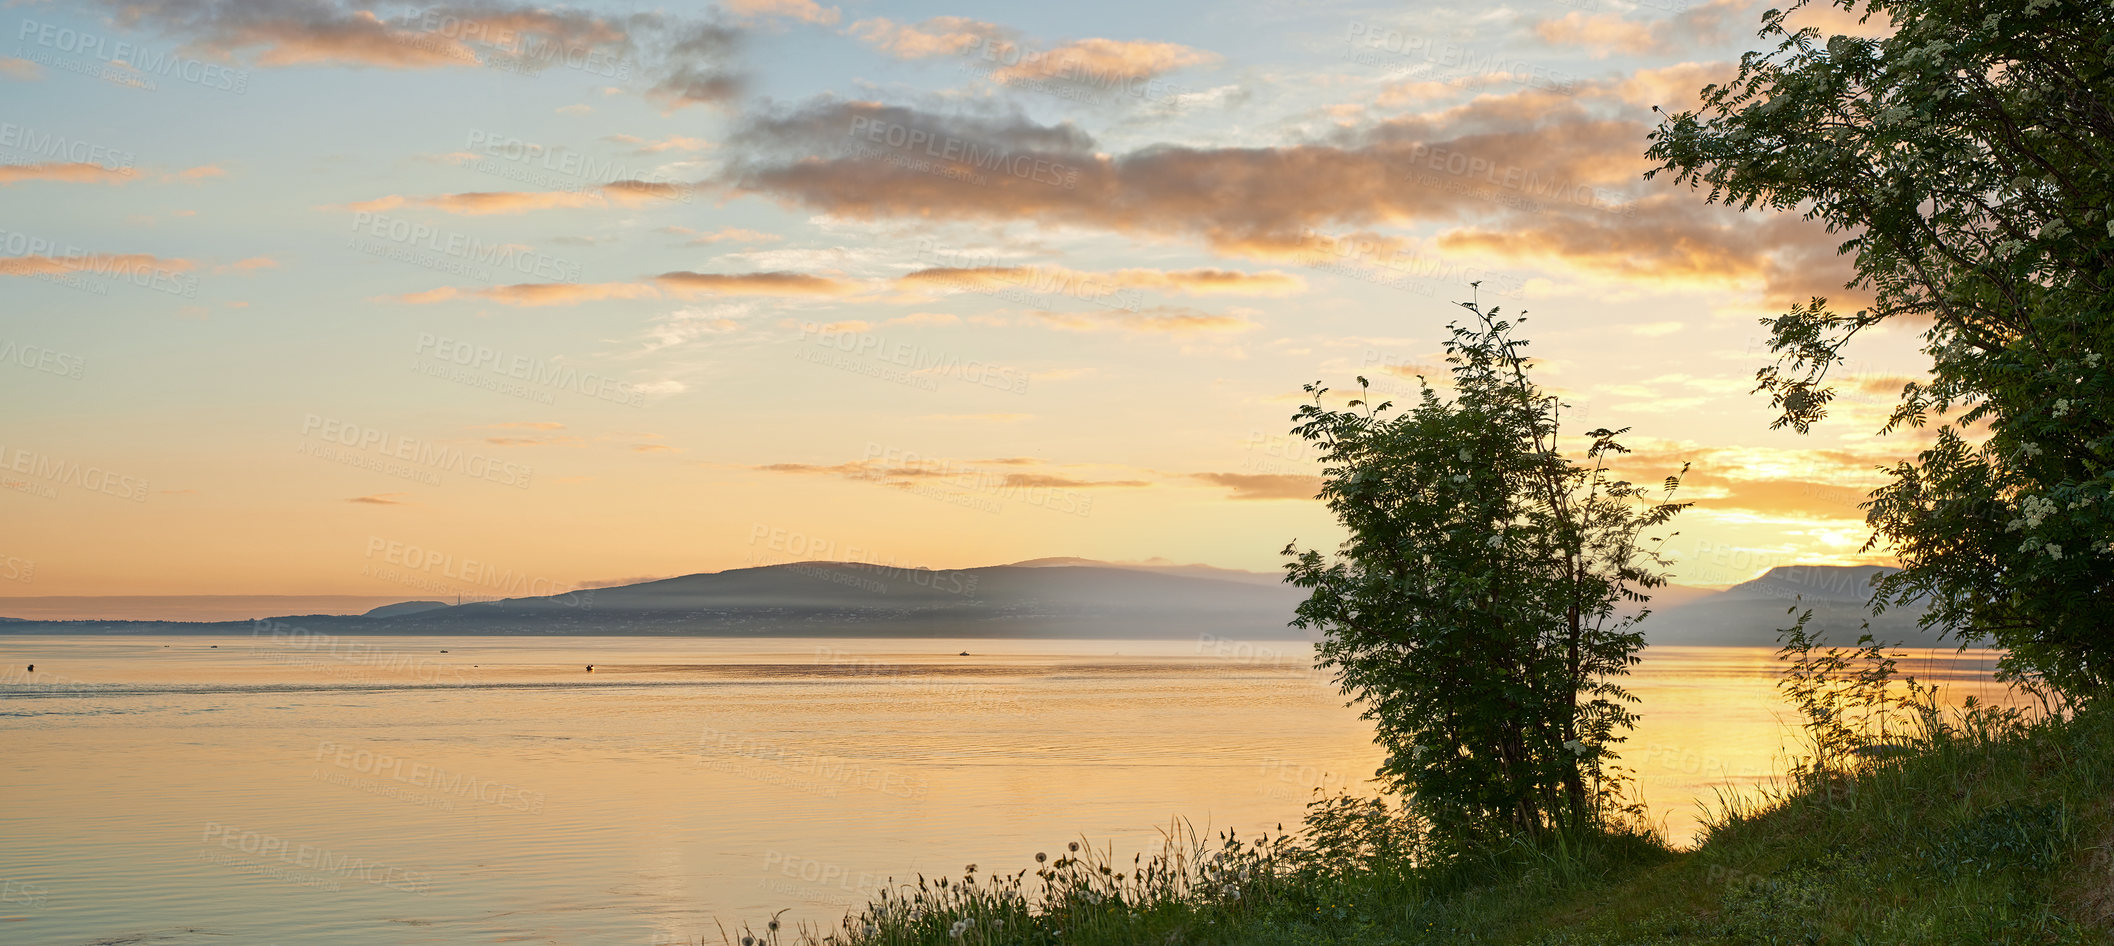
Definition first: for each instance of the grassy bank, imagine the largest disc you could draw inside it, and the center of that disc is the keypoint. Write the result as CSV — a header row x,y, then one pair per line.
x,y
1980,833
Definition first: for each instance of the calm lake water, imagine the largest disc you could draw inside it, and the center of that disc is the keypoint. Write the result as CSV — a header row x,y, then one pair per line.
x,y
434,790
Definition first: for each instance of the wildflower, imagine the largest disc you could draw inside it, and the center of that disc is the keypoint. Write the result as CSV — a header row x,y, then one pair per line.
x,y
2062,406
1072,846
1576,747
1233,892
1466,455
1496,540
1041,857
2054,551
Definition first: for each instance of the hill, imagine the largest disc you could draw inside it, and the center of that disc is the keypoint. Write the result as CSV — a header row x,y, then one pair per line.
x,y
1749,613
840,599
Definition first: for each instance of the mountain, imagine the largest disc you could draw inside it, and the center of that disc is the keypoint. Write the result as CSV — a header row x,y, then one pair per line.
x,y
402,608
1164,567
1750,613
841,599
1051,597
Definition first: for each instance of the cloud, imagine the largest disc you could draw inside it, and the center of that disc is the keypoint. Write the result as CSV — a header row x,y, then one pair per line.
x,y
979,418
71,172
1673,239
1105,60
382,499
806,11
967,475
89,262
21,70
1771,481
670,143
726,235
201,172
1265,485
1606,34
1528,175
249,265
1058,280
529,425
1013,60
485,202
1228,195
690,61
532,294
1169,319
1046,480
687,284
938,36
655,448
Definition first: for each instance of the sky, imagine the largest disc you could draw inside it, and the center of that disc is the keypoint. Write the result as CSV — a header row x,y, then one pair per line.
x,y
319,297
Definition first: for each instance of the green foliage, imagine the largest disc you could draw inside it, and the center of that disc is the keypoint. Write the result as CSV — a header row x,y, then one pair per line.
x,y
1849,699
1968,160
1475,612
1990,831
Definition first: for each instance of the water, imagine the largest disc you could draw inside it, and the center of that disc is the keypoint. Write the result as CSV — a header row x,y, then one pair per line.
x,y
292,789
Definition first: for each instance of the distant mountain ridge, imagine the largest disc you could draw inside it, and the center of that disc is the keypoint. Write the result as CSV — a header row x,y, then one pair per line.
x,y
1045,597
838,599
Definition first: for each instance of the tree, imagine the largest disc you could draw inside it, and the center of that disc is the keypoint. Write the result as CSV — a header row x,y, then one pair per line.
x,y
1476,609
1968,158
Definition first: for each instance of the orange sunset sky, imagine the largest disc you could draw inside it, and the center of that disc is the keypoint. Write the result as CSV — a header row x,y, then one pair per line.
x,y
336,298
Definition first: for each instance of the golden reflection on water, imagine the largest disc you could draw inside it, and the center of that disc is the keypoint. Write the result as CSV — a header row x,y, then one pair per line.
x,y
284,788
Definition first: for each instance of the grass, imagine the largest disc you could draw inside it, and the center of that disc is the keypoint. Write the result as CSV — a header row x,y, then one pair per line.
x,y
1987,830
